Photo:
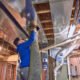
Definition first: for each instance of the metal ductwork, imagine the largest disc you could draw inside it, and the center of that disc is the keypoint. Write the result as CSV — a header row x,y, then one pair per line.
x,y
18,5
61,14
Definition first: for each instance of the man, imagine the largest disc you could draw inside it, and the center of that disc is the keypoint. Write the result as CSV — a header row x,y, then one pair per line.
x,y
23,48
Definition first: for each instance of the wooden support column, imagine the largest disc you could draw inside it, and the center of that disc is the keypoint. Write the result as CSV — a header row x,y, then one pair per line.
x,y
51,64
35,63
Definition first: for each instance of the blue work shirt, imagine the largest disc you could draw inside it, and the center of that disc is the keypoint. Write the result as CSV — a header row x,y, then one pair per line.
x,y
24,50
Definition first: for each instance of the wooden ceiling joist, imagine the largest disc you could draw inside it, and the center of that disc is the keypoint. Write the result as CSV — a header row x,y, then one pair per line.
x,y
46,21
49,28
71,19
51,41
43,11
42,6
48,31
50,38
44,14
48,34
49,24
73,8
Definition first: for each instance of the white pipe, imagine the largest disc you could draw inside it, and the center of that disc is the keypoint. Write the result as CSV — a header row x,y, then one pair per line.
x,y
58,67
68,64
62,43
72,30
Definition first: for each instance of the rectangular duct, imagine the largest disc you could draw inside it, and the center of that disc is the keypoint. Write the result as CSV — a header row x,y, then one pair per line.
x,y
61,14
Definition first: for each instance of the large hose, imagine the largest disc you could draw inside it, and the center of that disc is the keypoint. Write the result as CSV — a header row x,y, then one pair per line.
x,y
30,12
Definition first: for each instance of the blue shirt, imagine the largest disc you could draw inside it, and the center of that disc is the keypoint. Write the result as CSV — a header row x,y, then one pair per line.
x,y
24,50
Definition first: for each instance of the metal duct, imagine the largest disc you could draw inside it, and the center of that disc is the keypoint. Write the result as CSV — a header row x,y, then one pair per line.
x,y
61,14
18,5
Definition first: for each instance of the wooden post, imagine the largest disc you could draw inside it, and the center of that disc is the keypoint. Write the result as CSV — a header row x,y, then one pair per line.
x,y
35,63
51,67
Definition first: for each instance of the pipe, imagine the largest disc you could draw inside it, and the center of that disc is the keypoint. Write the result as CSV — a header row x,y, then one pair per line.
x,y
72,30
58,67
68,64
62,43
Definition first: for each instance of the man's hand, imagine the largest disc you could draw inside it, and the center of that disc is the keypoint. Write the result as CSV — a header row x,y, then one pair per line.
x,y
35,29
34,22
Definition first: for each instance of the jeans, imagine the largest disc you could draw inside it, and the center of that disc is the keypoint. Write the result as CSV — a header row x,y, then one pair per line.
x,y
23,73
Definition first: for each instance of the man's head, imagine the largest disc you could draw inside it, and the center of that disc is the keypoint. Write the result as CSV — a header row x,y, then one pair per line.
x,y
17,41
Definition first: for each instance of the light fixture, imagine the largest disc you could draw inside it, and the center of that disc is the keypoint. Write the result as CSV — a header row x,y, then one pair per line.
x,y
0,48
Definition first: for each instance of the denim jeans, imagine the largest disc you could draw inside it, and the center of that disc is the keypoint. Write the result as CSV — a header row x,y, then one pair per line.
x,y
23,73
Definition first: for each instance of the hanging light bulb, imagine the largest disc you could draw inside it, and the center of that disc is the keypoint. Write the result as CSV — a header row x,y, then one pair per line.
x,y
0,48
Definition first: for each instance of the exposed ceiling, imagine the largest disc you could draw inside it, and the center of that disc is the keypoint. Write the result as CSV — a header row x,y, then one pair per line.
x,y
54,16
44,15
73,15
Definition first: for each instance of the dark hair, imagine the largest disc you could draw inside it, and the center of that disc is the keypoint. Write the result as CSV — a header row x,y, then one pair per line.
x,y
15,42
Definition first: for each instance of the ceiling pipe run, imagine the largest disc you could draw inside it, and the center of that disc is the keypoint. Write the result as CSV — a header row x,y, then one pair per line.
x,y
68,65
67,52
73,38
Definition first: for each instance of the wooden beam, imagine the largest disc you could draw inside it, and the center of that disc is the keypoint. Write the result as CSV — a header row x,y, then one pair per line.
x,y
73,8
46,21
48,31
50,38
50,41
47,28
49,34
71,19
43,11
